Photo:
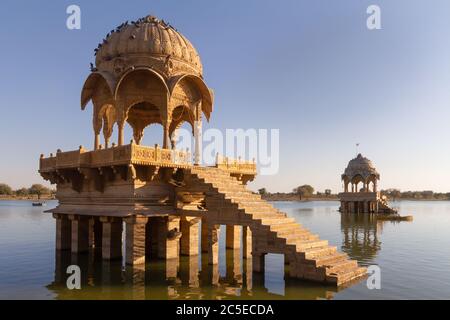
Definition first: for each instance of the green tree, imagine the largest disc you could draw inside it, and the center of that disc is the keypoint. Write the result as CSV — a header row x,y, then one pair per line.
x,y
262,191
392,193
21,192
5,189
304,191
38,189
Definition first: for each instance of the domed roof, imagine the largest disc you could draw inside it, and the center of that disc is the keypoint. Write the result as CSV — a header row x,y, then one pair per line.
x,y
360,166
147,42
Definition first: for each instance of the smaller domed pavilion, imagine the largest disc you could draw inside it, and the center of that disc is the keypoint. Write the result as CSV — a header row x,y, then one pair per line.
x,y
360,188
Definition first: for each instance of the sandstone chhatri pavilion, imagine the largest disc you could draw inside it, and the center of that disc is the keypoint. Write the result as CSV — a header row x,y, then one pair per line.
x,y
368,199
153,197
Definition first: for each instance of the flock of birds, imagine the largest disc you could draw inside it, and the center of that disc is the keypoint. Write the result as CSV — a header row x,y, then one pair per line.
x,y
137,24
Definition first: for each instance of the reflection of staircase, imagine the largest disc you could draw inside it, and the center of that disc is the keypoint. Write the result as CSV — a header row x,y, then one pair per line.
x,y
273,232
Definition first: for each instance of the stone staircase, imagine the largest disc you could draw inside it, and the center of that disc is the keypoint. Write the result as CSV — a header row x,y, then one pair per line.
x,y
384,207
307,255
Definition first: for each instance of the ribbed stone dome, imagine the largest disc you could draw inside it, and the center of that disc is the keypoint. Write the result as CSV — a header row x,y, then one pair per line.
x,y
148,42
360,166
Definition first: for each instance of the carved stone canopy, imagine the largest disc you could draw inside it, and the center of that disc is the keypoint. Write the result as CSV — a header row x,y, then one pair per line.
x,y
148,41
360,166
146,73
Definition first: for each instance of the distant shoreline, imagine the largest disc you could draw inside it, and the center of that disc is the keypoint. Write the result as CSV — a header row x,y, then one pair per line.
x,y
294,198
26,198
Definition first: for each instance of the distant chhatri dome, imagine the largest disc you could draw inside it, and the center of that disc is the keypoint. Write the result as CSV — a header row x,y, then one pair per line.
x,y
148,41
360,166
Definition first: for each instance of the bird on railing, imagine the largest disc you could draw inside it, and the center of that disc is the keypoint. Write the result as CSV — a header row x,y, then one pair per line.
x,y
93,69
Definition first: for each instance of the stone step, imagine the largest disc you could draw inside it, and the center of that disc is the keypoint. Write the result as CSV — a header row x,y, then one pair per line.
x,y
311,244
328,259
270,220
341,266
248,203
288,229
304,237
260,213
340,278
318,252
250,198
285,224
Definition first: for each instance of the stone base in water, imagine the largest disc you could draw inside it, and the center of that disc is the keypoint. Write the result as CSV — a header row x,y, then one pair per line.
x,y
394,217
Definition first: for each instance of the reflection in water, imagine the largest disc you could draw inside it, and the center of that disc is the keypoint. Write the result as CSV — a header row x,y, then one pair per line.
x,y
186,278
361,236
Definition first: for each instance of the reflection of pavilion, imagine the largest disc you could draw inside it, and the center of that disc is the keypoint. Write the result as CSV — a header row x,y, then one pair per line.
x,y
361,236
188,278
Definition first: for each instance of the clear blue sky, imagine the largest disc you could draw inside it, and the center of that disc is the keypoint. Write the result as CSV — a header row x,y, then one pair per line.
x,y
310,68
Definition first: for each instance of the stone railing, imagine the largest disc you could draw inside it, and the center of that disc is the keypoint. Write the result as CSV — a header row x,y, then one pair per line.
x,y
144,155
116,155
236,165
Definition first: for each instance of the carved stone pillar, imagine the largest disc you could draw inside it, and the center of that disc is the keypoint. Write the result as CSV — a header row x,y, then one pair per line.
x,y
111,238
233,237
63,231
80,233
213,244
174,139
138,134
120,126
135,240
96,140
198,141
189,236
166,138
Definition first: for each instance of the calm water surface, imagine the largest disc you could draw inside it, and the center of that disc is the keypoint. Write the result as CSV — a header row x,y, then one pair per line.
x,y
414,258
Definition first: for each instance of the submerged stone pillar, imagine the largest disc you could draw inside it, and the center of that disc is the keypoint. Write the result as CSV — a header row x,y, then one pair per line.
x,y
80,233
233,237
63,231
168,237
111,238
204,236
189,236
135,279
135,240
98,230
233,266
213,243
189,271
91,234
247,242
258,261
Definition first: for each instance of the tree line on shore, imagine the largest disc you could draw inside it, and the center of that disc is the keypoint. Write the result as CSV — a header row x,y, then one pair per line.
x,y
302,192
306,191
34,190
395,194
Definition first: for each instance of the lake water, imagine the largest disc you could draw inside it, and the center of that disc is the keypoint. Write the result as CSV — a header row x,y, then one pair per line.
x,y
413,257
